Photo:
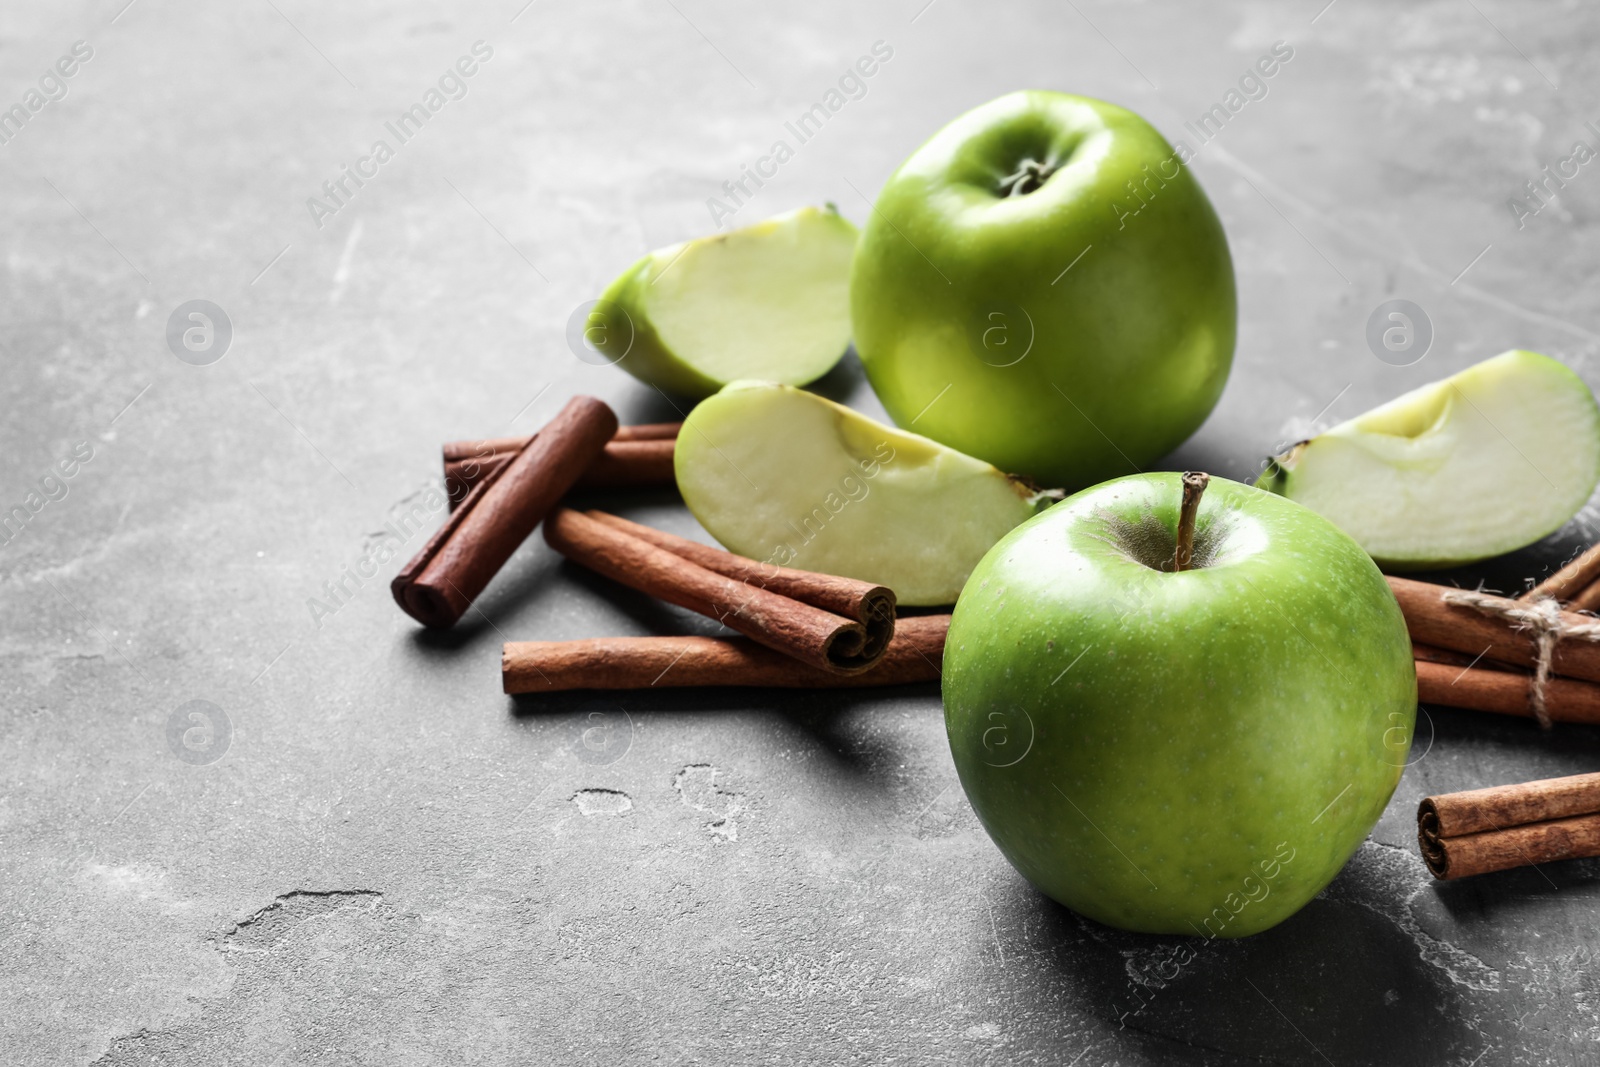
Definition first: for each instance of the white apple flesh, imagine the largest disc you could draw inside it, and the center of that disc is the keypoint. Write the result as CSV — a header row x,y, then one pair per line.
x,y
785,476
1478,464
767,301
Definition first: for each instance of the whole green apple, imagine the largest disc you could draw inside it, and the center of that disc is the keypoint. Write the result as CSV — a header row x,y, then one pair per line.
x,y
1192,751
1045,286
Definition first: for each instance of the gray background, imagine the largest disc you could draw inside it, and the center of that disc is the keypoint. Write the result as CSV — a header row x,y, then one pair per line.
x,y
391,863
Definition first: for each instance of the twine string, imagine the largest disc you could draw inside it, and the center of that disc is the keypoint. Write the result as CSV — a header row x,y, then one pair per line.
x,y
1542,619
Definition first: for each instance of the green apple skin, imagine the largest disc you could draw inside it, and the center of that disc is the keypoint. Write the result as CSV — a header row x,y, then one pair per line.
x,y
1155,749
1130,347
1484,462
634,339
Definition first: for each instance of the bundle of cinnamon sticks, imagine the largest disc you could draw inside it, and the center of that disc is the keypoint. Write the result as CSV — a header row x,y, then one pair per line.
x,y
1533,656
800,629
636,457
1508,826
1521,657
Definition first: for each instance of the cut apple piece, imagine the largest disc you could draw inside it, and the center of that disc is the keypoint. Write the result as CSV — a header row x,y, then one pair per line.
x,y
787,477
769,301
1480,463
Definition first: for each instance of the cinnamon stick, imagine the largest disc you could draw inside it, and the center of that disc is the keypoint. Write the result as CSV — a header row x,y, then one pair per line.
x,y
871,605
809,634
442,580
1565,584
1433,621
913,655
1495,829
459,450
638,457
1481,688
1587,598
1430,654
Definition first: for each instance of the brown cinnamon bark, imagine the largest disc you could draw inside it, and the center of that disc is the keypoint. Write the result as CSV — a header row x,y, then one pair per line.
x,y
442,580
1587,598
1482,688
914,655
811,635
871,605
1430,654
459,450
1495,829
1459,628
1565,584
638,457
1518,846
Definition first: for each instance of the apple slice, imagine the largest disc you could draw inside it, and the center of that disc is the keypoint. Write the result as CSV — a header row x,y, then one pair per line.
x,y
787,477
1480,463
769,301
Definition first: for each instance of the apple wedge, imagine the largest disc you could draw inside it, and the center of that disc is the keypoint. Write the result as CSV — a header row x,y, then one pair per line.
x,y
1481,463
787,477
769,301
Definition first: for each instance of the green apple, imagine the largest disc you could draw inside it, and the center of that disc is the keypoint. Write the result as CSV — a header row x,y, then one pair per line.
x,y
1191,751
785,476
1480,463
767,301
1045,286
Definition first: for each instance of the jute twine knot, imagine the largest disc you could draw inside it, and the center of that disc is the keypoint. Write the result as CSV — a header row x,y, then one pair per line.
x,y
1542,619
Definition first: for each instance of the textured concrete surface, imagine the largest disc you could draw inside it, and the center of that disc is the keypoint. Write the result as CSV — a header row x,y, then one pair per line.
x,y
378,859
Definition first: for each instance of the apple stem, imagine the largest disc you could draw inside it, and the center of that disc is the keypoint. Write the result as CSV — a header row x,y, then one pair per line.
x,y
1194,484
1029,176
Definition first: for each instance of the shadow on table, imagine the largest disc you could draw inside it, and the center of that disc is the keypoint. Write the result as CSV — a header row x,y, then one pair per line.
x,y
845,377
652,405
1336,983
822,718
1522,746
1504,895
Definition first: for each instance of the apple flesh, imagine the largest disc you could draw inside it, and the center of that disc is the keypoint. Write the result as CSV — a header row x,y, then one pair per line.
x,y
767,301
1481,463
1045,286
1178,752
782,475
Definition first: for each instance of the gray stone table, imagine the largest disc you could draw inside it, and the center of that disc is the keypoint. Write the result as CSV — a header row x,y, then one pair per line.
x,y
375,857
